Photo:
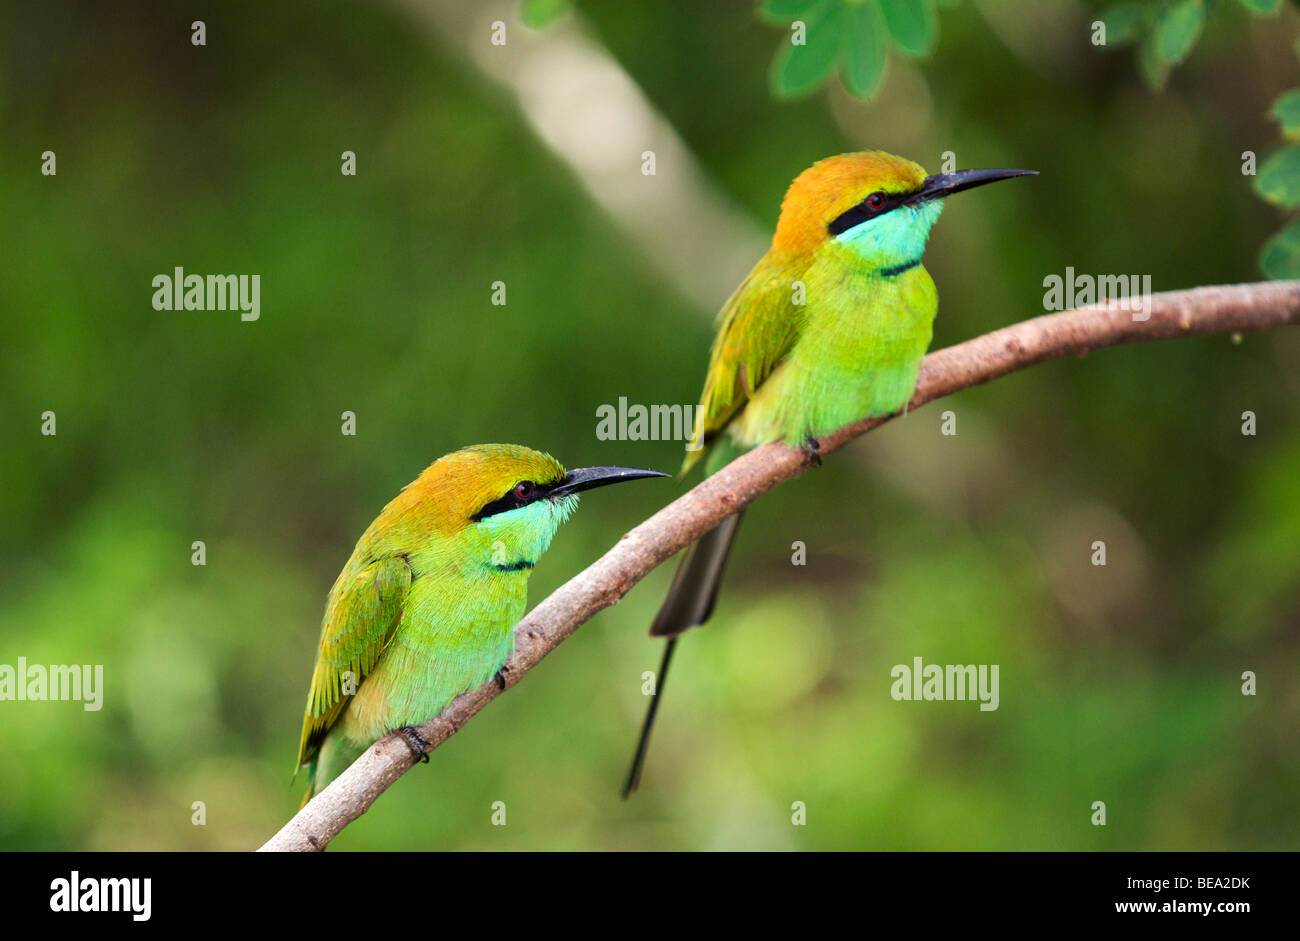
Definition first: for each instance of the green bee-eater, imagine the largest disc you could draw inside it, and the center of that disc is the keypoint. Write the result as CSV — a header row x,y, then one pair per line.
x,y
828,328
425,608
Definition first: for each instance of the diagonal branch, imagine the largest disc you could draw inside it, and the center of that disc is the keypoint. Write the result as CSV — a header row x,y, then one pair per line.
x,y
1220,309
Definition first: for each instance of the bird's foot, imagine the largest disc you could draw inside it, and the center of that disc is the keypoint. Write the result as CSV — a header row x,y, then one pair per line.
x,y
501,678
417,743
812,453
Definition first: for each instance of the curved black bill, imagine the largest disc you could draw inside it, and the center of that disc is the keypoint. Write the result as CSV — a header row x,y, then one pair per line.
x,y
587,478
945,184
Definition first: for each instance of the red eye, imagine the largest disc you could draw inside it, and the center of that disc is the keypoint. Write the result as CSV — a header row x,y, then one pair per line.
x,y
523,490
876,200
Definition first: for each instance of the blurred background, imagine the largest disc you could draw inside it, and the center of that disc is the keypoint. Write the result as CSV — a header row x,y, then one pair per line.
x,y
523,164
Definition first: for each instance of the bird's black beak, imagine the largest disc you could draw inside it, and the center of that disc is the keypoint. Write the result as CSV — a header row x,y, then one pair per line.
x,y
945,184
588,478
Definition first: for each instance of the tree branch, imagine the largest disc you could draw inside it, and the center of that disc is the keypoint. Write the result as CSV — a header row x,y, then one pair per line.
x,y
1222,309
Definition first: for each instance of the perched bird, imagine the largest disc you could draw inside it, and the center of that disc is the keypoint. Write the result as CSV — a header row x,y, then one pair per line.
x,y
829,327
425,608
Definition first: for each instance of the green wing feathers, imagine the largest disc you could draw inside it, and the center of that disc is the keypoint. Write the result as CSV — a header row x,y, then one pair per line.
x,y
758,326
365,607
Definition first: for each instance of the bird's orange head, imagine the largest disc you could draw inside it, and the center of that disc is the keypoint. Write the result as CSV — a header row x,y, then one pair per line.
x,y
473,481
501,495
878,205
832,187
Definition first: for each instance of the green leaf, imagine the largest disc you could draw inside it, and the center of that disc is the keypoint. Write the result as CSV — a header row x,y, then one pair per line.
x,y
1155,70
1178,29
1286,110
914,24
786,10
1279,178
1262,6
538,14
1124,21
797,70
867,50
1280,256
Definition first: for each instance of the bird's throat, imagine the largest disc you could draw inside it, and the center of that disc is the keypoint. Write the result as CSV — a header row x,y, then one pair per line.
x,y
893,243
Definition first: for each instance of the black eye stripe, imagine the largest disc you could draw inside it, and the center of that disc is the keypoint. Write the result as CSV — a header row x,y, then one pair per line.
x,y
862,212
511,501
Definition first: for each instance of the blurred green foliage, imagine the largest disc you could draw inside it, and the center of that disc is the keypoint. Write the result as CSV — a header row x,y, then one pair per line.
x,y
854,34
1119,683
1166,31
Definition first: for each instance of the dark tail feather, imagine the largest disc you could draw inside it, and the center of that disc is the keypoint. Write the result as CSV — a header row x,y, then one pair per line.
x,y
690,601
695,586
638,759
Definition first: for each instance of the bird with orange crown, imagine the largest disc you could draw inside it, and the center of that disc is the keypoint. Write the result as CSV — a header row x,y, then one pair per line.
x,y
829,327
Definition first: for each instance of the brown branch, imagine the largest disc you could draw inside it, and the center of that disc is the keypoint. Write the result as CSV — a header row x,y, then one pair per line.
x,y
1236,308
